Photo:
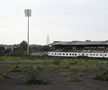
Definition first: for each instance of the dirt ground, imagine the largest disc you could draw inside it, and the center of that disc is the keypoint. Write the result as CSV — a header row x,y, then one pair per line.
x,y
57,81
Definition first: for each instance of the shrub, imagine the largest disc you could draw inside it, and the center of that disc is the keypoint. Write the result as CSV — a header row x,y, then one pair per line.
x,y
32,79
73,62
65,66
29,69
4,75
102,76
16,68
56,62
73,78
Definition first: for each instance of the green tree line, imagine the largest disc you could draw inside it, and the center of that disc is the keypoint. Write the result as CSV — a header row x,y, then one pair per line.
x,y
21,49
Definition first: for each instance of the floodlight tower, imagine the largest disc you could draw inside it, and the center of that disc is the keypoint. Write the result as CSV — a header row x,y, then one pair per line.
x,y
27,14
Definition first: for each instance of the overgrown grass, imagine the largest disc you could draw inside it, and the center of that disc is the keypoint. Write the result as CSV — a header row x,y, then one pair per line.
x,y
4,76
70,67
73,78
22,59
33,77
32,80
102,73
102,76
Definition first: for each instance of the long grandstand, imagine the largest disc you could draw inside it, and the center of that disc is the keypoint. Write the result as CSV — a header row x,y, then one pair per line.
x,y
80,48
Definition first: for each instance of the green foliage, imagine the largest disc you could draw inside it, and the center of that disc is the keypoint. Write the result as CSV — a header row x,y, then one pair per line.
x,y
21,49
33,76
71,68
15,68
35,48
30,69
74,62
23,59
23,46
32,79
2,50
45,48
73,78
102,75
51,67
56,61
4,76
65,66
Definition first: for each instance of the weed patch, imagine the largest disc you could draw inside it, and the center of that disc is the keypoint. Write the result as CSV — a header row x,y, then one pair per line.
x,y
102,76
73,78
15,68
33,78
4,76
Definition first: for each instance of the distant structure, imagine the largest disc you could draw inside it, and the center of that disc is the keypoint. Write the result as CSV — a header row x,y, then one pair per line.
x,y
11,48
81,46
28,14
86,48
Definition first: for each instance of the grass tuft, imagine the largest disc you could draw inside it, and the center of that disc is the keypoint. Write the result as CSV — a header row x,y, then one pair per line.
x,y
4,76
102,76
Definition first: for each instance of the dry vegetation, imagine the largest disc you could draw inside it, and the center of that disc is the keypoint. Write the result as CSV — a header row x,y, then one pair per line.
x,y
49,70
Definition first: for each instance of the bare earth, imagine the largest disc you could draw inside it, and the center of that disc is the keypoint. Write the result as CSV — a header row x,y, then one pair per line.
x,y
57,81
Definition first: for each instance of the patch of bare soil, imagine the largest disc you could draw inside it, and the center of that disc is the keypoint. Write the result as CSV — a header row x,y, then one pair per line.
x,y
56,81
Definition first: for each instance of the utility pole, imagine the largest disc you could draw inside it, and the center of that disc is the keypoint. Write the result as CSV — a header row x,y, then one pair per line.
x,y
28,14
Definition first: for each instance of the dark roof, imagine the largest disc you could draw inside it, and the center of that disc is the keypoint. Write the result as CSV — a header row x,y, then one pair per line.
x,y
88,42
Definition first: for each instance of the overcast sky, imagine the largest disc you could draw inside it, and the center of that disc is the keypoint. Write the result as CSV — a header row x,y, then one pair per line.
x,y
62,20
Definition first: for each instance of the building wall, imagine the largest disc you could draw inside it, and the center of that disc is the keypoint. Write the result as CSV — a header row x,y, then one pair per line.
x,y
76,54
80,48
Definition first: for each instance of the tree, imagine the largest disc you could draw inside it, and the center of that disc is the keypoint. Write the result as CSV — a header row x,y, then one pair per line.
x,y
23,47
45,48
2,49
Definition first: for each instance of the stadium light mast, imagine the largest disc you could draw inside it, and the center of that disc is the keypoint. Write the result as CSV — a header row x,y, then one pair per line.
x,y
27,14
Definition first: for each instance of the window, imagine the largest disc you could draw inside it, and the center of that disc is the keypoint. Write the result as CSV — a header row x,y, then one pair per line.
x,y
66,53
100,54
105,54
